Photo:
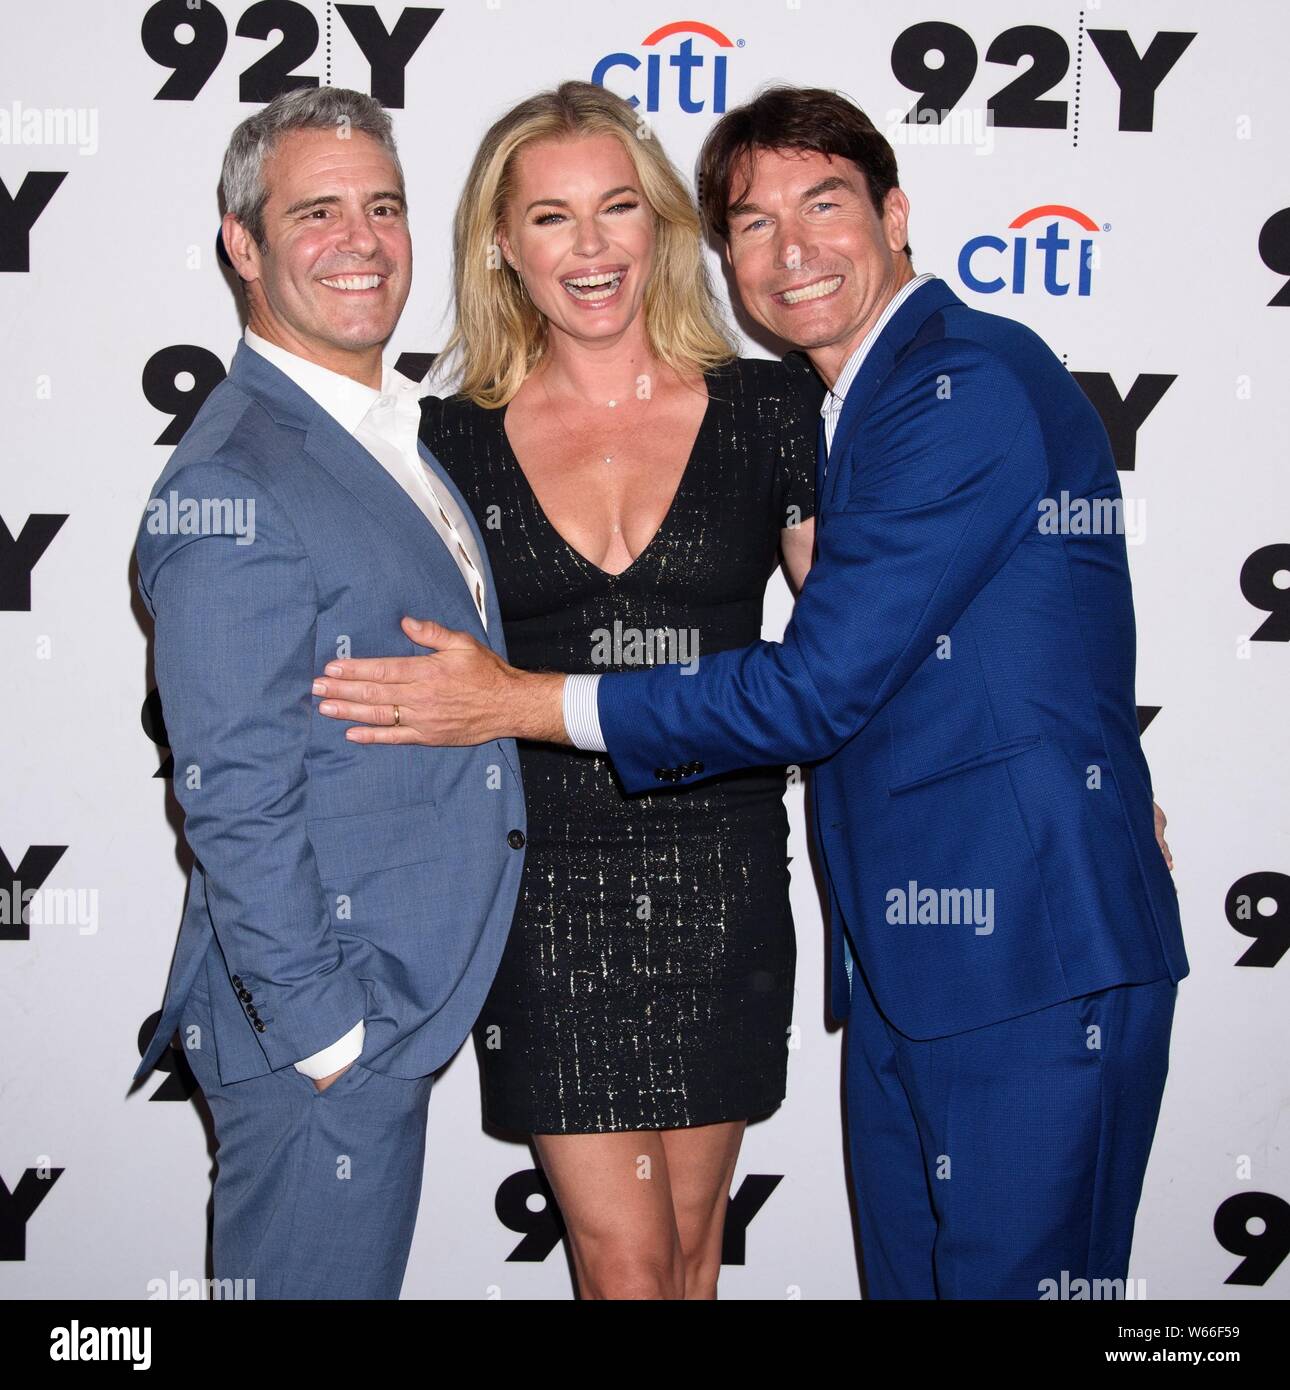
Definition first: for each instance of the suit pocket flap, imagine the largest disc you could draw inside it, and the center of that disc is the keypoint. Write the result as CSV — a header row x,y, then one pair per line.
x,y
347,846
1008,749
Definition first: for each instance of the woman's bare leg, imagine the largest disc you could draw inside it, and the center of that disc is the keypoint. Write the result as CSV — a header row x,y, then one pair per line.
x,y
645,1209
701,1165
614,1193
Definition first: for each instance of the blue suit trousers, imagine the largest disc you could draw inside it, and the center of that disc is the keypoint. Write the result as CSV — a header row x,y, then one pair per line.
x,y
316,1192
989,1163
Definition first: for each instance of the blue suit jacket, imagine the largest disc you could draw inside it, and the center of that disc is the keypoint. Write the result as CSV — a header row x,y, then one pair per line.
x,y
964,680
333,881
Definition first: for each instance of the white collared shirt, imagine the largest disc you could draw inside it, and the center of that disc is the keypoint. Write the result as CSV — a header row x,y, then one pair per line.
x,y
385,423
579,701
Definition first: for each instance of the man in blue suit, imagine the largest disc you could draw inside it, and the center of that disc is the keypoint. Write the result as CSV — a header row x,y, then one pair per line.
x,y
959,670
345,914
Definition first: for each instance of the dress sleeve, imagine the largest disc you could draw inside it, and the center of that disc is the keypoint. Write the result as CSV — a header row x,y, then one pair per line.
x,y
799,418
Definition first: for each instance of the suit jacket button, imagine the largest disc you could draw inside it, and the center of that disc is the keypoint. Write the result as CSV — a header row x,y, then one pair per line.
x,y
237,980
515,839
245,995
260,1025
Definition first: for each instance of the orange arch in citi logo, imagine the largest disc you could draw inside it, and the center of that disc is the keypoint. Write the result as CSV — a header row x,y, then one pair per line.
x,y
1055,210
1055,255
687,26
696,80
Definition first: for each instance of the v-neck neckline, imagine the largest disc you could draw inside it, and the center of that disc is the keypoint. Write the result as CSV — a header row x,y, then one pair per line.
x,y
667,516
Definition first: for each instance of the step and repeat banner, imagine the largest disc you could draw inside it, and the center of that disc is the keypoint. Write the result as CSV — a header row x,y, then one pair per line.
x,y
1114,175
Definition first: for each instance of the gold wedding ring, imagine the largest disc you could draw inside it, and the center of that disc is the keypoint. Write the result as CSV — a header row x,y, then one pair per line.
x,y
397,719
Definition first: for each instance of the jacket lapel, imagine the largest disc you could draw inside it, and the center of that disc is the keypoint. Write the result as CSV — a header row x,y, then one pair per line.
x,y
362,476
334,449
887,349
494,636
443,483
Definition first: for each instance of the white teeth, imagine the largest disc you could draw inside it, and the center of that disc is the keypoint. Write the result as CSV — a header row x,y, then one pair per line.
x,y
581,286
816,291
353,282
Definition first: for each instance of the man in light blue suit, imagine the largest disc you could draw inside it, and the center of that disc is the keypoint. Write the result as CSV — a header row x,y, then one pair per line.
x,y
345,914
959,670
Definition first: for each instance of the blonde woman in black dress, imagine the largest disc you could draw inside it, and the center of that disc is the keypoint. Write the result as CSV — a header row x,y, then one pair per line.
x,y
632,479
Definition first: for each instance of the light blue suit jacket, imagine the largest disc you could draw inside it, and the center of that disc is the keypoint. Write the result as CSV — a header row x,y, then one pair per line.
x,y
963,679
333,881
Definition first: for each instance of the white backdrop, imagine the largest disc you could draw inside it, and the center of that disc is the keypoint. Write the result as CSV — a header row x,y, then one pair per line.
x,y
1188,195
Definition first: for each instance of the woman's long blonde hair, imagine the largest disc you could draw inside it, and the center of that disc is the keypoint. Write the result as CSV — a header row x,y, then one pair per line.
x,y
499,336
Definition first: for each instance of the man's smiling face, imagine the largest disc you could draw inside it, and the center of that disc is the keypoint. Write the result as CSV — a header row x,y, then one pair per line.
x,y
813,261
338,264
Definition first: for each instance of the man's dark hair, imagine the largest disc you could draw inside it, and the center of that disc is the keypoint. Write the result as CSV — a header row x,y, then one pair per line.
x,y
789,118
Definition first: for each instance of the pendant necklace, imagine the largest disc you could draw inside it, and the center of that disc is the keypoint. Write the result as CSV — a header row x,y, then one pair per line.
x,y
608,458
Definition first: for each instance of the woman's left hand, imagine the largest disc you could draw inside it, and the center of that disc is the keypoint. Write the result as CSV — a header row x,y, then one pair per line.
x,y
450,698
1161,822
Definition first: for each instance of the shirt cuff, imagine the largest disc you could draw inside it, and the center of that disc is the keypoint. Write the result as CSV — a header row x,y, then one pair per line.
x,y
582,712
332,1058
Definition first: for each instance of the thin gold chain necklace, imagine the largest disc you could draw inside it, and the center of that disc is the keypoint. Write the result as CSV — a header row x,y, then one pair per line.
x,y
608,458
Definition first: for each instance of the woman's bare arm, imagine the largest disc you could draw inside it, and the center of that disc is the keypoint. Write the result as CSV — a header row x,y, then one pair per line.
x,y
797,544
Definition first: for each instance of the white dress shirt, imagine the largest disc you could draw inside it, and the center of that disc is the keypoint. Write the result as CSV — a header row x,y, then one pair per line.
x,y
385,423
580,698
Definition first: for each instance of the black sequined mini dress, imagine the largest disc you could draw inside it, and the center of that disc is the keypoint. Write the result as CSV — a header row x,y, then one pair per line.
x,y
647,982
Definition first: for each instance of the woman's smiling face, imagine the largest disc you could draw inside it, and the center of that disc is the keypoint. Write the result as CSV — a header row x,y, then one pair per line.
x,y
580,233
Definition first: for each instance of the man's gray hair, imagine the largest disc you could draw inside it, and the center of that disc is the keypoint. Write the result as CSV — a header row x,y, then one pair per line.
x,y
340,109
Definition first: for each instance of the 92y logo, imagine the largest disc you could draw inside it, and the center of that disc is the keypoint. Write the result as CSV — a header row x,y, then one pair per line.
x,y
191,40
18,214
542,1227
1024,101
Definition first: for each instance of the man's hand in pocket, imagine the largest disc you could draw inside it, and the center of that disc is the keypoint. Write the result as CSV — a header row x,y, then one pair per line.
x,y
323,1082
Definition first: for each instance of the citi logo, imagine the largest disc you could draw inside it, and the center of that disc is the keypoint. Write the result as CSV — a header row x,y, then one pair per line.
x,y
695,81
1057,258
